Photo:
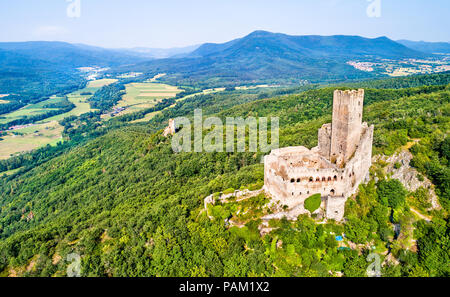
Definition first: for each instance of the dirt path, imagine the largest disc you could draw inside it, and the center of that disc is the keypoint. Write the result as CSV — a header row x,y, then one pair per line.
x,y
423,217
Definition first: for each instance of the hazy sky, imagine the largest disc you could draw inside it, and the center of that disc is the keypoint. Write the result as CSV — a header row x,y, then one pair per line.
x,y
173,23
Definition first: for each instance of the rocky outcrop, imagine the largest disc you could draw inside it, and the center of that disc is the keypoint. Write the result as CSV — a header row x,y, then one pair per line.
x,y
399,168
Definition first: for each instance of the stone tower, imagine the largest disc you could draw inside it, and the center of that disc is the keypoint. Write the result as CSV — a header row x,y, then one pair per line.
x,y
334,169
170,129
346,125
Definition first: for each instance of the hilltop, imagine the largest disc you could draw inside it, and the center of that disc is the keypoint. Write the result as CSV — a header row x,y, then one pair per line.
x,y
129,205
274,57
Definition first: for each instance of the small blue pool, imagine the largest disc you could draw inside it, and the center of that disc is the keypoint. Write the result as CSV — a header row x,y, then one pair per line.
x,y
344,248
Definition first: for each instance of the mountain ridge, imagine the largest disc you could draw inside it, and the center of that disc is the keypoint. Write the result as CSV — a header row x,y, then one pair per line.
x,y
427,47
314,44
263,56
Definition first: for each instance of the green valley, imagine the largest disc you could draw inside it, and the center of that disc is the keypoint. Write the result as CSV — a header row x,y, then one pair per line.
x,y
118,195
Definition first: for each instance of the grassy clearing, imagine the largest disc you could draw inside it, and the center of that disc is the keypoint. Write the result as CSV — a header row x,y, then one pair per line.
x,y
29,110
10,172
3,101
101,82
145,95
82,106
79,98
46,131
29,138
149,116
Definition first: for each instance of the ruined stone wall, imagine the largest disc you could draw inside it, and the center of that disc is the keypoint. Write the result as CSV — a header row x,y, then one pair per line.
x,y
357,168
170,129
346,124
324,139
295,173
291,184
334,168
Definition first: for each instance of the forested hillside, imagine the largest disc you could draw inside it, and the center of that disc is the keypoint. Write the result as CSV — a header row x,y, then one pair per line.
x,y
33,71
130,206
276,58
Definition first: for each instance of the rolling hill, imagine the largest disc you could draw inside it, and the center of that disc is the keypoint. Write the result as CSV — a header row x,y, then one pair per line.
x,y
273,57
35,70
427,47
67,55
161,53
130,206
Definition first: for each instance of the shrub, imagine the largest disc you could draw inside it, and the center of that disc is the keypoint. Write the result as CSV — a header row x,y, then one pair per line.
x,y
228,191
313,202
391,193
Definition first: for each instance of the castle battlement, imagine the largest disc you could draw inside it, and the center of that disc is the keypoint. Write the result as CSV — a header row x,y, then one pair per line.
x,y
334,168
348,97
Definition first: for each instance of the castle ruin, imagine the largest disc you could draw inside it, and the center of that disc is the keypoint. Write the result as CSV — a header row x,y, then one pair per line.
x,y
170,129
334,168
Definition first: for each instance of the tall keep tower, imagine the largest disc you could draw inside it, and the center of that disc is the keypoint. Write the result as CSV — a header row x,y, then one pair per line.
x,y
346,126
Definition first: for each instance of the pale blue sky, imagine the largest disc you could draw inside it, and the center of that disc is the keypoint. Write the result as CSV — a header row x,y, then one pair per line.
x,y
173,23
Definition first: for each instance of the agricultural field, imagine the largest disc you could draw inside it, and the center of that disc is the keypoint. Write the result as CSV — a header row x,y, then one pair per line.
x,y
2,96
29,138
144,95
30,110
79,98
46,131
82,106
149,116
96,84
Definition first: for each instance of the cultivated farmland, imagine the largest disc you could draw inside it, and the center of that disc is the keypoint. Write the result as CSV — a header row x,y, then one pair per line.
x,y
144,95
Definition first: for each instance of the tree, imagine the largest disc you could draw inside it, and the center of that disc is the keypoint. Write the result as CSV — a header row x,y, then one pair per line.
x,y
391,193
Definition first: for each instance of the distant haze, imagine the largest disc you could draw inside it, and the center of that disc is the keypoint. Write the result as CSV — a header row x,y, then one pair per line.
x,y
180,23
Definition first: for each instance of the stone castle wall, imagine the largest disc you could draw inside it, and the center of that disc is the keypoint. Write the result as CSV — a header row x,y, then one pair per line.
x,y
292,174
170,129
347,119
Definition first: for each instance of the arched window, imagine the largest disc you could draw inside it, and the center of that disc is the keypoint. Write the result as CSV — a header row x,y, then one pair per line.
x,y
292,180
335,178
310,179
298,179
317,179
329,178
323,178
332,192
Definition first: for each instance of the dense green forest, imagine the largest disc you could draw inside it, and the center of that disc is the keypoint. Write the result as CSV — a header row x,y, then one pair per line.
x,y
119,196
